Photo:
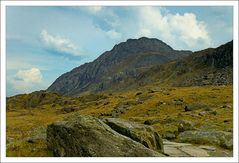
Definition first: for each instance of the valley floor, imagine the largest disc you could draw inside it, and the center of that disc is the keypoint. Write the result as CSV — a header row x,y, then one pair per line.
x,y
172,111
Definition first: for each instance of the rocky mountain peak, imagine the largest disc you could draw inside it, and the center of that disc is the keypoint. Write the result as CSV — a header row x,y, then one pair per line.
x,y
143,44
125,60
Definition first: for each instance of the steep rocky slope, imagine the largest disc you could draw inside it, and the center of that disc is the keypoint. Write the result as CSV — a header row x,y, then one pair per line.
x,y
211,66
120,65
138,62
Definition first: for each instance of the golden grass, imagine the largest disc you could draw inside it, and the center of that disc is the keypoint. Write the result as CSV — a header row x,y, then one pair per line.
x,y
21,121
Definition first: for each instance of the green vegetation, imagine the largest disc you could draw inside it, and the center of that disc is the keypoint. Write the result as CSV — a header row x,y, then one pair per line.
x,y
28,115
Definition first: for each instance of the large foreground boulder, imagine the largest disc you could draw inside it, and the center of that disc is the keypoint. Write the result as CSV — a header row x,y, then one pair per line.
x,y
221,138
143,134
86,136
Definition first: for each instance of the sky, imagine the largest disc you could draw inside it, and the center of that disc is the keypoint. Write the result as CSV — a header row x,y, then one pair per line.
x,y
45,42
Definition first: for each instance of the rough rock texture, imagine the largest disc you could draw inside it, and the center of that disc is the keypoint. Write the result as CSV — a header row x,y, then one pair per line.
x,y
138,132
151,121
183,150
196,106
212,66
87,136
169,135
184,125
221,138
37,134
125,61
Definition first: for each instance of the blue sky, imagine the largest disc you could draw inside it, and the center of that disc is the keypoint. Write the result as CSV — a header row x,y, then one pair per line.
x,y
45,42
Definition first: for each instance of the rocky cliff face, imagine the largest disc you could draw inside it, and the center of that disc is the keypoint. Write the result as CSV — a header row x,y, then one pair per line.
x,y
211,66
124,62
137,62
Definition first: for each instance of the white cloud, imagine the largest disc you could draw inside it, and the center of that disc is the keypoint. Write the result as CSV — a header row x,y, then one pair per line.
x,y
59,44
153,23
32,75
113,34
189,29
25,80
180,31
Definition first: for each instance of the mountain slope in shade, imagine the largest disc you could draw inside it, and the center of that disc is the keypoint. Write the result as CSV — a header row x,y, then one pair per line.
x,y
211,66
117,67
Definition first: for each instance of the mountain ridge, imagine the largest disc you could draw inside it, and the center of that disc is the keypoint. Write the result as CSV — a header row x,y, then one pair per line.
x,y
142,61
212,66
125,59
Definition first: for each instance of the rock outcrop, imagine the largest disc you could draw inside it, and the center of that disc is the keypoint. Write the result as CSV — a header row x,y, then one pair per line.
x,y
220,138
196,106
143,134
212,66
183,150
184,125
86,136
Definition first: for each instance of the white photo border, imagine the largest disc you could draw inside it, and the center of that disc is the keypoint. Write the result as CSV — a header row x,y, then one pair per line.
x,y
4,4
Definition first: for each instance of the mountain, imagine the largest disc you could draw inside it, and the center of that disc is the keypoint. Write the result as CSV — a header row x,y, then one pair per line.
x,y
212,66
116,67
131,86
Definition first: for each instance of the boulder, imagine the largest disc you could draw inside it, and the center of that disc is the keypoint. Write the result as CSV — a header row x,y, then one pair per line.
x,y
151,121
213,112
174,149
221,138
37,134
178,101
194,151
196,106
86,136
169,135
143,134
208,148
122,107
138,93
142,99
68,109
184,125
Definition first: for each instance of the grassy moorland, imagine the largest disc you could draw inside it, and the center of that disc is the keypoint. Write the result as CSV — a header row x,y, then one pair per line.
x,y
162,107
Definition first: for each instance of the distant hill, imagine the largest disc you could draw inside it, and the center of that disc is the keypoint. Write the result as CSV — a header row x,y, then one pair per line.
x,y
117,67
213,66
139,62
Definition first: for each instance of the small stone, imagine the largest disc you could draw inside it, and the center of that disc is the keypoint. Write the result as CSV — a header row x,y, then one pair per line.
x,y
213,112
185,125
229,130
151,91
227,106
169,135
196,106
226,120
138,93
209,148
106,103
151,121
30,140
202,113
